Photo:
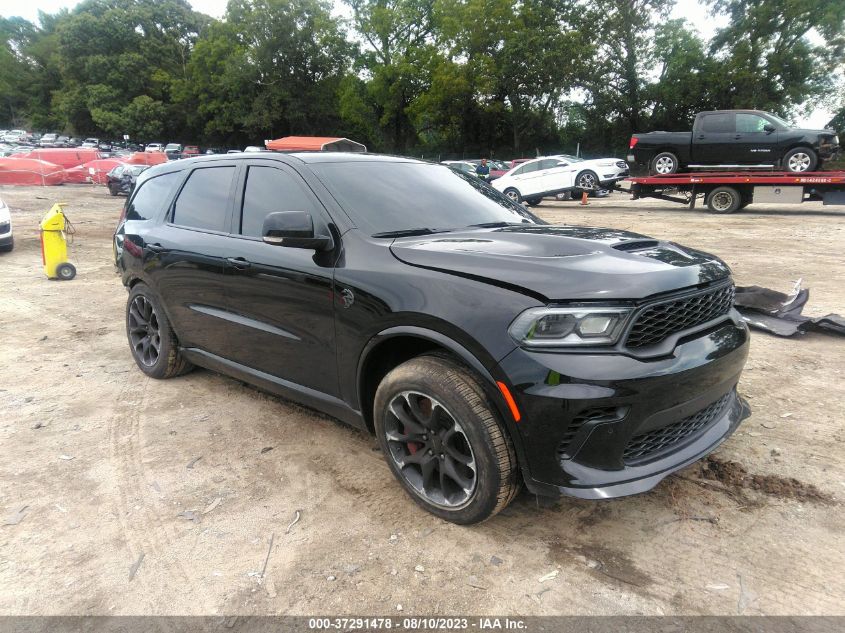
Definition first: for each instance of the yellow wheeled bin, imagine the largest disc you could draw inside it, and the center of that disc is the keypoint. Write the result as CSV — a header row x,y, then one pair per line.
x,y
55,228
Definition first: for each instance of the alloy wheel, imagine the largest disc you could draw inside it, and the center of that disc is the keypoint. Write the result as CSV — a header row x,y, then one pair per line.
x,y
799,162
144,332
430,449
587,181
664,165
512,194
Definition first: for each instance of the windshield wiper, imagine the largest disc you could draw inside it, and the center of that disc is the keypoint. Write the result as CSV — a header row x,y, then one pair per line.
x,y
410,232
496,225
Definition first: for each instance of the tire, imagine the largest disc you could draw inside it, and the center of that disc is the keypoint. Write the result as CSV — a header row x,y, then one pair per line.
x,y
152,342
533,202
587,181
112,191
65,271
7,248
513,194
664,163
433,392
724,200
800,160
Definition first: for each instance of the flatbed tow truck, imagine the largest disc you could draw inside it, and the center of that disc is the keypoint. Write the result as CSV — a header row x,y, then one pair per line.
x,y
730,191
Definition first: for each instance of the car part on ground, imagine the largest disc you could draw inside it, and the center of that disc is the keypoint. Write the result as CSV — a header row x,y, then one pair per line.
x,y
594,361
780,314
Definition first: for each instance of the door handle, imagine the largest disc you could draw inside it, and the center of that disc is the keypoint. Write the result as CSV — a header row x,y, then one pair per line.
x,y
155,248
738,136
700,136
239,262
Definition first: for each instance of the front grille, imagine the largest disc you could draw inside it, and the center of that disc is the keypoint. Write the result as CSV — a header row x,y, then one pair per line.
x,y
654,323
656,441
588,415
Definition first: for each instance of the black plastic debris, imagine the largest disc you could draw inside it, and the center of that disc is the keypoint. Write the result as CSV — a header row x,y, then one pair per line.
x,y
780,314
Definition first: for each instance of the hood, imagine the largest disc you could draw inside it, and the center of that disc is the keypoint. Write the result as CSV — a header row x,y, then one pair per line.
x,y
564,263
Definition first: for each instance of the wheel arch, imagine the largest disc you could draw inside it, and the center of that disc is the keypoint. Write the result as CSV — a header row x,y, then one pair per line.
x,y
395,345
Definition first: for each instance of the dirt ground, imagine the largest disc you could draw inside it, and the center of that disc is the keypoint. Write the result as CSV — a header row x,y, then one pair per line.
x,y
163,497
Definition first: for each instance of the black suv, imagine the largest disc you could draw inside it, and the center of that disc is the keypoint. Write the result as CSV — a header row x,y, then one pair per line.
x,y
483,346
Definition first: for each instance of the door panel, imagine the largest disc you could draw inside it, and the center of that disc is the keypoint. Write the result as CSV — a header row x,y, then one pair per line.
x,y
753,144
713,141
557,175
280,300
529,179
187,256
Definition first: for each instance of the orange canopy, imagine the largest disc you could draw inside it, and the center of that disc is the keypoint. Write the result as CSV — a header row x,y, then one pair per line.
x,y
30,171
147,158
314,144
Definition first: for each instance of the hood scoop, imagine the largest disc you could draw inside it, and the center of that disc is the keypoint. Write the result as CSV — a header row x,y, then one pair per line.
x,y
636,245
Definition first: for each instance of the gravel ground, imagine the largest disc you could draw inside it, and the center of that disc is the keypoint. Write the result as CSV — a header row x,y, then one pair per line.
x,y
143,496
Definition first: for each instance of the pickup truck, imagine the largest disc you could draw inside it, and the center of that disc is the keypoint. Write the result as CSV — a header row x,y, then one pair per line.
x,y
730,139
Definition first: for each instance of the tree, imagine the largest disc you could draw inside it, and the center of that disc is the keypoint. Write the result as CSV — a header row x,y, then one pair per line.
x,y
769,60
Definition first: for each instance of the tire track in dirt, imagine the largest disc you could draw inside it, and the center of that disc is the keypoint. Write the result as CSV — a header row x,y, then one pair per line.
x,y
147,532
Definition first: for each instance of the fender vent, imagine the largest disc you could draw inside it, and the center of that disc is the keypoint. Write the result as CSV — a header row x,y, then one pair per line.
x,y
599,414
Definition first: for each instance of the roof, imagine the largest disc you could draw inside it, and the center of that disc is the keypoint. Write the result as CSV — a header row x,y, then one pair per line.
x,y
315,144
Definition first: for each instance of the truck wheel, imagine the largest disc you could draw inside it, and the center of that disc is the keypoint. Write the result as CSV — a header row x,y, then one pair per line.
x,y
513,194
151,339
533,202
665,163
724,200
444,441
800,159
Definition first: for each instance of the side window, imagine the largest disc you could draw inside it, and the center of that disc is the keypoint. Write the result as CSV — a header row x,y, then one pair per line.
x,y
529,167
269,190
718,123
152,196
749,123
549,163
203,202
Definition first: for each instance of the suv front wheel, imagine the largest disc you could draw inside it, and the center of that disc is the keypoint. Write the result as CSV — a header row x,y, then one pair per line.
x,y
443,440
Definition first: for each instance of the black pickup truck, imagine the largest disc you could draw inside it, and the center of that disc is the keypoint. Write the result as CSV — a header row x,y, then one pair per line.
x,y
730,139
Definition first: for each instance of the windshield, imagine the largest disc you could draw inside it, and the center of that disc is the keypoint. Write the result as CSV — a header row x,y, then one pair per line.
x,y
383,197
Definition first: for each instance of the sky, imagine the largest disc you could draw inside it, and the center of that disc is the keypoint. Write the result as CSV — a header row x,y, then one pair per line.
x,y
692,10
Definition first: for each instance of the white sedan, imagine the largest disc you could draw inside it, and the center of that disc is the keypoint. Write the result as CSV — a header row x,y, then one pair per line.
x,y
7,242
550,175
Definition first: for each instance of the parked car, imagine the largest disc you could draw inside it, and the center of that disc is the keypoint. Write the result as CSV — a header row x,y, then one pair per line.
x,y
91,143
173,150
534,179
7,240
255,148
482,346
190,151
48,140
461,165
121,179
154,147
497,167
728,139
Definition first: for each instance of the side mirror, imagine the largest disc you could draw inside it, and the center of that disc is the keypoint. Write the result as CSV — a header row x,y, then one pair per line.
x,y
294,229
769,128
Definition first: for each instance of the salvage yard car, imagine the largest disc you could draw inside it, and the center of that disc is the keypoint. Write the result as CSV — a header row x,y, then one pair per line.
x,y
727,139
482,346
7,240
532,180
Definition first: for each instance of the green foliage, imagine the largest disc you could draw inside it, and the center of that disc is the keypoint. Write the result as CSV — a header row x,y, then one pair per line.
x,y
448,77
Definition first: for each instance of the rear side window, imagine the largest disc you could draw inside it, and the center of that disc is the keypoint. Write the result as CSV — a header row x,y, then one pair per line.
x,y
548,163
203,202
527,167
152,196
269,190
717,123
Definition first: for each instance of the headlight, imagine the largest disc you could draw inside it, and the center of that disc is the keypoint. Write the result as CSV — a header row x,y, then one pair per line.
x,y
561,327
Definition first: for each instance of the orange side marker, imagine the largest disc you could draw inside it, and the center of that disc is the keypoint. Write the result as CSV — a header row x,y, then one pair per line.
x,y
517,416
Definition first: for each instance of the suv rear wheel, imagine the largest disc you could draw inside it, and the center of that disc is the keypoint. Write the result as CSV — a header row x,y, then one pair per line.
x,y
443,440
664,163
151,339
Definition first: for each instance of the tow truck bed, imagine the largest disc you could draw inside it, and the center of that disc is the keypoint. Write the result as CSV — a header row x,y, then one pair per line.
x,y
728,192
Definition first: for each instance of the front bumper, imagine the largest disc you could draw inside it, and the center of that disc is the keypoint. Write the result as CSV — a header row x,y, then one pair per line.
x,y
600,425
